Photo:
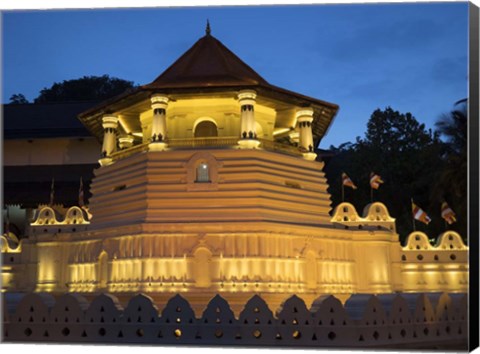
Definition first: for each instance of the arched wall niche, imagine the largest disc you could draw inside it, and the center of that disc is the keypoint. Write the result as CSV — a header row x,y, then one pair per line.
x,y
10,243
205,127
450,240
202,267
377,212
418,240
76,215
345,212
47,216
197,160
102,276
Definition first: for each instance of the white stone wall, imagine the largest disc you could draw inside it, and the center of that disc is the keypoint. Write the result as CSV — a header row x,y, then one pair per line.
x,y
386,321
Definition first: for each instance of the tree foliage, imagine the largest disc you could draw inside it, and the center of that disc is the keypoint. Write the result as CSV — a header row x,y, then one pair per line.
x,y
451,181
84,89
407,157
18,98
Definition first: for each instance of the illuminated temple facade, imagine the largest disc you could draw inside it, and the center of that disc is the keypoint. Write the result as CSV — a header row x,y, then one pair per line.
x,y
209,183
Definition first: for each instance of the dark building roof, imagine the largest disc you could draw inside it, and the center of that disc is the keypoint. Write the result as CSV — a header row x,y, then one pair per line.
x,y
44,120
30,186
207,63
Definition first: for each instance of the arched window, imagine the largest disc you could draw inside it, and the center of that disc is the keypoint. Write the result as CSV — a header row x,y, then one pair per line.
x,y
205,129
203,174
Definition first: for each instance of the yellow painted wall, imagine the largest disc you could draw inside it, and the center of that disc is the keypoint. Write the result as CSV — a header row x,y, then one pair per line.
x,y
183,115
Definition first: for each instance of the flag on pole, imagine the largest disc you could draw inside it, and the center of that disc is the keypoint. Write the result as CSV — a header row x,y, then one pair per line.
x,y
419,214
81,202
375,180
52,191
347,181
7,222
448,214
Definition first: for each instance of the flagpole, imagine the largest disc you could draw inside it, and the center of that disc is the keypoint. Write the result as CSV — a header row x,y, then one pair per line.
x,y
7,222
81,198
343,192
413,216
52,192
371,194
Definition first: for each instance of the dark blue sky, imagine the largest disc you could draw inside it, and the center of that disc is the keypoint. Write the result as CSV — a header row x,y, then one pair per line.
x,y
412,57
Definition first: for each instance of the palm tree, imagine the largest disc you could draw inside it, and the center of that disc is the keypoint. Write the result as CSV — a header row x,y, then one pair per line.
x,y
451,183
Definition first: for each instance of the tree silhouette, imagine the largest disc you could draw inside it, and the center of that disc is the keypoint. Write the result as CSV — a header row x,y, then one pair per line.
x,y
84,89
451,181
18,98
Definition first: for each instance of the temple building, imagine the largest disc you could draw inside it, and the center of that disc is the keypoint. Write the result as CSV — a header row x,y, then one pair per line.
x,y
208,183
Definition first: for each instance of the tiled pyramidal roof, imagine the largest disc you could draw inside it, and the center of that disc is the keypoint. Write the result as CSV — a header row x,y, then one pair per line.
x,y
208,63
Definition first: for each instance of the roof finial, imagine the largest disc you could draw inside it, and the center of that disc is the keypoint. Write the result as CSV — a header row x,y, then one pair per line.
x,y
207,30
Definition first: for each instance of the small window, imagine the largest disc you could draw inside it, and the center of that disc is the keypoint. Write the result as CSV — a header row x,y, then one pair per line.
x,y
203,173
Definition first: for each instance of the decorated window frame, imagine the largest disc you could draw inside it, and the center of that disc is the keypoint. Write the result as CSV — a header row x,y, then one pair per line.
x,y
202,172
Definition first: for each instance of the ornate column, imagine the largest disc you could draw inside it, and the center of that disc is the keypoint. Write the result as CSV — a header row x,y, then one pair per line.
x,y
248,136
159,123
110,124
305,119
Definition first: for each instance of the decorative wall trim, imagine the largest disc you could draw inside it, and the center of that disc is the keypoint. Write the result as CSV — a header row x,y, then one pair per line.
x,y
413,320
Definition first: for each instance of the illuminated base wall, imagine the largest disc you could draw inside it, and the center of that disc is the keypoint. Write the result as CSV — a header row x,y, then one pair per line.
x,y
441,266
249,230
280,262
238,265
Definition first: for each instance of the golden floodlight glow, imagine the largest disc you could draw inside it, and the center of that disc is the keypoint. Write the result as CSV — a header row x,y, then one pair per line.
x,y
281,131
124,125
221,195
